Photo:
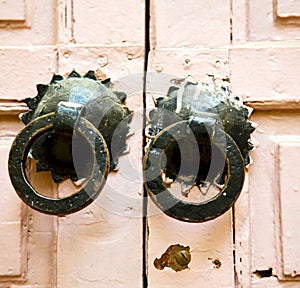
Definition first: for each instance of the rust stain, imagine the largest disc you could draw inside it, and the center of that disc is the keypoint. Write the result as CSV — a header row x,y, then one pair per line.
x,y
176,257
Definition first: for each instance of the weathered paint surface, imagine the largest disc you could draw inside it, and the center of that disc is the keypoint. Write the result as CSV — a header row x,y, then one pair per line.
x,y
198,49
260,57
101,246
263,62
255,43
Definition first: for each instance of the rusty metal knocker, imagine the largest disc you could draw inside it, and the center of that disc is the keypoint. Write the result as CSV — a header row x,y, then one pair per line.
x,y
198,134
69,130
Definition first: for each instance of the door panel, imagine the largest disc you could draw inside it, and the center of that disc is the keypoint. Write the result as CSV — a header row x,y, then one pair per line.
x,y
263,62
102,245
209,242
189,24
287,160
255,43
28,22
27,238
12,261
266,75
21,68
266,257
27,31
116,62
109,23
13,11
270,20
185,41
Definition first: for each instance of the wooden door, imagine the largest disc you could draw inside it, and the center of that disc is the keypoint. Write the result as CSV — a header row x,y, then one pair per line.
x,y
264,64
102,245
191,38
27,55
256,45
110,243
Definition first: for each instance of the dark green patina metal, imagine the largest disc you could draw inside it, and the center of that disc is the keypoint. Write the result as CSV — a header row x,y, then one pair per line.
x,y
76,128
213,129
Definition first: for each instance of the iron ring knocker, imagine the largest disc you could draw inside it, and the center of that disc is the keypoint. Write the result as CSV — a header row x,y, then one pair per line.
x,y
70,126
70,204
183,210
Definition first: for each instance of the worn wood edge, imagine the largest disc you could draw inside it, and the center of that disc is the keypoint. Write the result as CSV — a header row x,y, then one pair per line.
x,y
287,104
12,107
16,107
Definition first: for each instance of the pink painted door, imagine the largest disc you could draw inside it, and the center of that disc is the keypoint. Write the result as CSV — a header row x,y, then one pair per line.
x,y
264,63
102,245
27,54
256,45
190,38
109,243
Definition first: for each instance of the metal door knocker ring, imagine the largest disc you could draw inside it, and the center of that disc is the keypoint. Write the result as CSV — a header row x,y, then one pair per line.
x,y
183,210
70,204
198,136
76,128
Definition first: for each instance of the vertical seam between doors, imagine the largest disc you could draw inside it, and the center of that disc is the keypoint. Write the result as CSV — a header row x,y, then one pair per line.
x,y
145,199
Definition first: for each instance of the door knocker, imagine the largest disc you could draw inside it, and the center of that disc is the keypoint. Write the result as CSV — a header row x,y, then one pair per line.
x,y
76,128
199,135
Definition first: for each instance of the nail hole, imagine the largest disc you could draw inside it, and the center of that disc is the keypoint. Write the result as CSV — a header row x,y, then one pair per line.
x,y
217,263
102,60
218,63
159,69
187,61
67,54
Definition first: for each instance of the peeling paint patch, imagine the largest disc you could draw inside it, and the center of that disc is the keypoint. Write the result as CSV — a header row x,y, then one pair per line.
x,y
176,257
264,273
